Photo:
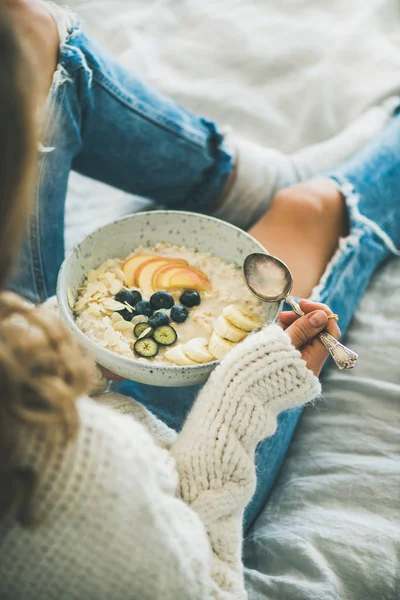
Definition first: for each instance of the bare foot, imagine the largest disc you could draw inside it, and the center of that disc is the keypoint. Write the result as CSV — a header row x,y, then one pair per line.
x,y
303,227
38,29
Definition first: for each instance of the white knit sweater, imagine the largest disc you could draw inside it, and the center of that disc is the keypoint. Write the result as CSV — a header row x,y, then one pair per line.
x,y
130,510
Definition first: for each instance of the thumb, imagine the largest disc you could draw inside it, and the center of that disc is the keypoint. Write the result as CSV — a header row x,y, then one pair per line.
x,y
304,329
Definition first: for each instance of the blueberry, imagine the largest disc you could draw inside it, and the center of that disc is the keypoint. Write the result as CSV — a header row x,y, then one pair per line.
x,y
159,319
127,296
137,295
126,314
179,314
190,298
143,308
161,300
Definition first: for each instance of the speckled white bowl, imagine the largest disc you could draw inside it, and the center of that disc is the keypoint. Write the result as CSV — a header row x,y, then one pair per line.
x,y
119,239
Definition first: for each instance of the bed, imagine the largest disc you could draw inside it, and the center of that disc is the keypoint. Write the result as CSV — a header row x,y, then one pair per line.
x,y
287,74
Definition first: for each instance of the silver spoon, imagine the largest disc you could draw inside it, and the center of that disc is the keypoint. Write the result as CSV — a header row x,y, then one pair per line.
x,y
270,280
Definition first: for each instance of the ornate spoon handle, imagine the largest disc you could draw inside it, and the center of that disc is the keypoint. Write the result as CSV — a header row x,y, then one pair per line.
x,y
344,357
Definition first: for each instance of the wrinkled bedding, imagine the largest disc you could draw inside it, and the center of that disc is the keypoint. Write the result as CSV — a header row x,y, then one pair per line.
x,y
287,74
331,528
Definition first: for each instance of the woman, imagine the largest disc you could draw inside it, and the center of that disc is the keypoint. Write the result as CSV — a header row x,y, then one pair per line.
x,y
104,122
100,486
100,489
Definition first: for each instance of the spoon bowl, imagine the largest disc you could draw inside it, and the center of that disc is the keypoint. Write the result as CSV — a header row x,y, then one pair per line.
x,y
267,277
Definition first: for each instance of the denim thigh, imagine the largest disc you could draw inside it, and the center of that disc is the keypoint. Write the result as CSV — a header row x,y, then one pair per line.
x,y
108,124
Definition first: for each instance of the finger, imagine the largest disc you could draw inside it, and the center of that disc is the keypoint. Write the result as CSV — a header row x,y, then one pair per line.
x,y
332,326
315,356
308,306
307,327
287,318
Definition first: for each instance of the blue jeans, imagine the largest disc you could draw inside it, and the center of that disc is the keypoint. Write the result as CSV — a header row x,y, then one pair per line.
x,y
106,123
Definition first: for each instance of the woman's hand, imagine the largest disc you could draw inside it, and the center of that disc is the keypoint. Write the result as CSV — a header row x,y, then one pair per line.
x,y
109,375
303,331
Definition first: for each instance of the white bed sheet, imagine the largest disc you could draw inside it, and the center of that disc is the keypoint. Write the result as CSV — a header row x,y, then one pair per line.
x,y
331,529
287,74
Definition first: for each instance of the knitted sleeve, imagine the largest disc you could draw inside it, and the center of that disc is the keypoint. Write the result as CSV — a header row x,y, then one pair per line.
x,y
214,453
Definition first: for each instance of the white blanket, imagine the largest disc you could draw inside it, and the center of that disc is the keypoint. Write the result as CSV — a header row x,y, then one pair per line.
x,y
287,74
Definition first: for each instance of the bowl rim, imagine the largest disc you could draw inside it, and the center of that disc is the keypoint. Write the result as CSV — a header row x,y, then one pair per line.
x,y
62,287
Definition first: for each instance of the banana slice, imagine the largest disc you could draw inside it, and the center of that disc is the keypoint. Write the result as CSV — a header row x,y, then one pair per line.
x,y
240,319
228,331
218,346
177,356
197,350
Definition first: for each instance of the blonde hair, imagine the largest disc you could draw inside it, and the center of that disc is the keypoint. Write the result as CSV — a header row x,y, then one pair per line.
x,y
17,139
42,370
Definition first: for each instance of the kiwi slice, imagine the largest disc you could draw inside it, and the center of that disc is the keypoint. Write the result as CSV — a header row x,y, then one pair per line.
x,y
141,328
146,347
165,335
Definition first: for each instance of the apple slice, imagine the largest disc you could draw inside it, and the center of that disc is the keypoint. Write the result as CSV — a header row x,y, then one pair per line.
x,y
144,274
145,264
162,275
186,278
130,266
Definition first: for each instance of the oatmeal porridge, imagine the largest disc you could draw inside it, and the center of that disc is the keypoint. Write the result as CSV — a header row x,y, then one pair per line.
x,y
167,304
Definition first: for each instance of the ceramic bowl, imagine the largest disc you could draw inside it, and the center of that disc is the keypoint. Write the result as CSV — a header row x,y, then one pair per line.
x,y
118,239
